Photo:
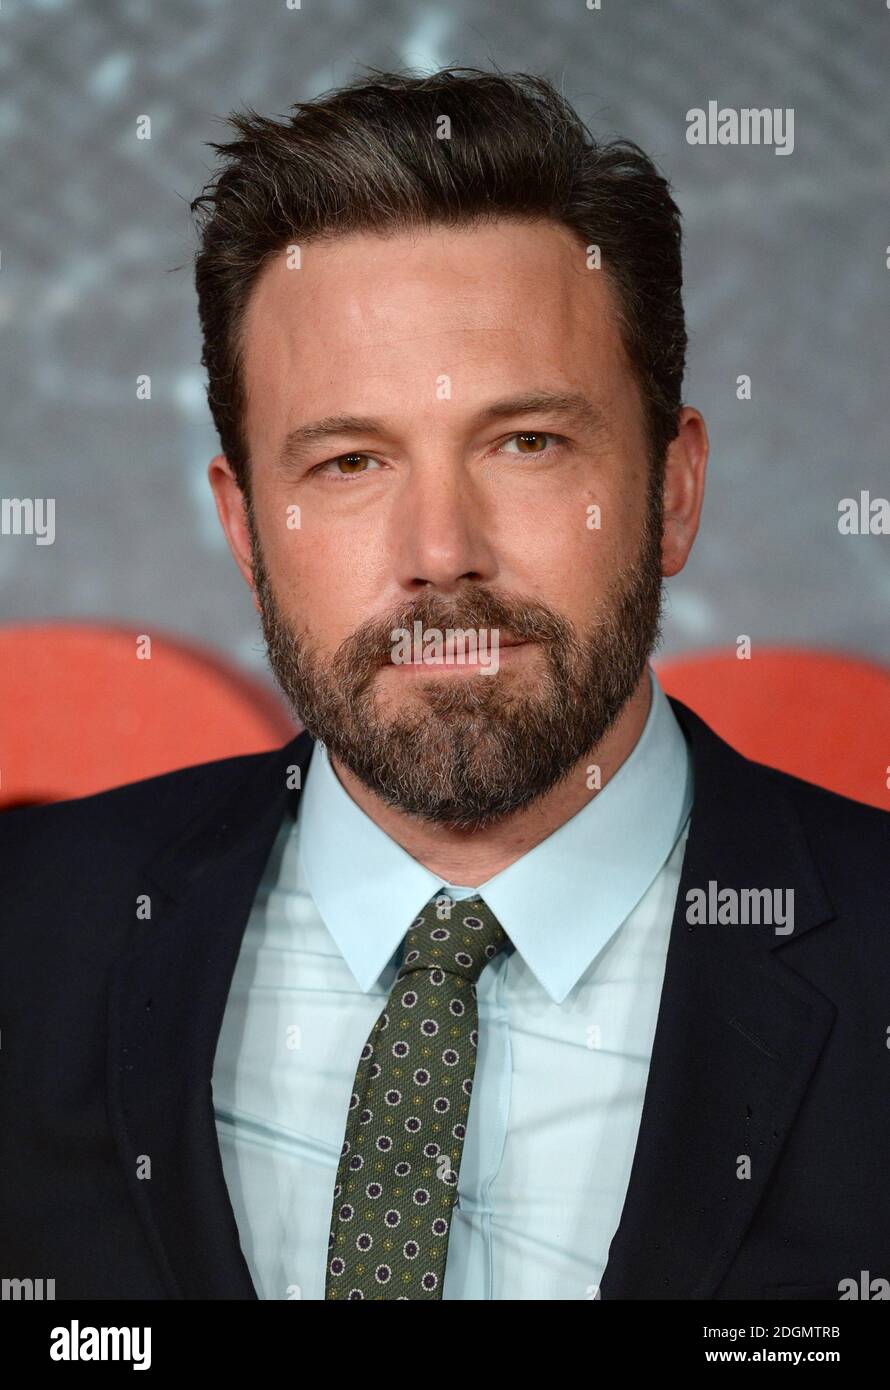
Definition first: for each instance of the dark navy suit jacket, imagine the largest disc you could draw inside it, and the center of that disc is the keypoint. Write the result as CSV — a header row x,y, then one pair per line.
x,y
769,1047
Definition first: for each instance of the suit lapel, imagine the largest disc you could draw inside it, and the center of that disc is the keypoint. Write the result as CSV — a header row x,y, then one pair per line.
x,y
737,1038
167,999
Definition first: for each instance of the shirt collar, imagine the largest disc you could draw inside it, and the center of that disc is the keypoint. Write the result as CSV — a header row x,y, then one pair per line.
x,y
559,904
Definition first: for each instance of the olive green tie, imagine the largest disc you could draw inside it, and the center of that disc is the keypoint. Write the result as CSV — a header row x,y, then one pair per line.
x,y
397,1175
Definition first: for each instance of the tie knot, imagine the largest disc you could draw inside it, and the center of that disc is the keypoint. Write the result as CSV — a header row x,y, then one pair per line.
x,y
457,937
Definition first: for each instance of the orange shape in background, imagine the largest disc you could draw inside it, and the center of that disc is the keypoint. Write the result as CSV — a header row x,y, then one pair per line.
x,y
823,716
79,712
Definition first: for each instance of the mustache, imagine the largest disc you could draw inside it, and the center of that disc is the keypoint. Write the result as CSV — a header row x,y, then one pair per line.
x,y
524,621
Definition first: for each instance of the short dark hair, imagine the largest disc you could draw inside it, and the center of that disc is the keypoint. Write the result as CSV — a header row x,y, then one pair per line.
x,y
366,157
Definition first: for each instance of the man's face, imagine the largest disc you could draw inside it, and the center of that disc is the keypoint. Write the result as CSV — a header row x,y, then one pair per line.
x,y
531,525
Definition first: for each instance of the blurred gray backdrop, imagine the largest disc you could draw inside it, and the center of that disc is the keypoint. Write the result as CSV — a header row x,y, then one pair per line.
x,y
786,280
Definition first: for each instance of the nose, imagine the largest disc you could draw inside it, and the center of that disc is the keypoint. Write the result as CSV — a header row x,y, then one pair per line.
x,y
442,530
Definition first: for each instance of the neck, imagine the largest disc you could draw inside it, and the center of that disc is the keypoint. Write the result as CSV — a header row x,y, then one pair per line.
x,y
468,858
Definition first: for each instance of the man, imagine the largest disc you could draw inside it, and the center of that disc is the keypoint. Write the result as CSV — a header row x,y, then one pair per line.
x,y
436,1002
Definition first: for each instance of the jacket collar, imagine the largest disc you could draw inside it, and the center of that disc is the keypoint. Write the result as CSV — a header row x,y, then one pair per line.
x,y
737,1036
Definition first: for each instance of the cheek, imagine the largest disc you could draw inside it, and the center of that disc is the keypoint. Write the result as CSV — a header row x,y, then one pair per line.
x,y
614,520
323,584
566,552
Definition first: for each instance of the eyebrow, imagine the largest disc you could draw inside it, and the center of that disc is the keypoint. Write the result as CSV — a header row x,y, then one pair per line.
x,y
572,406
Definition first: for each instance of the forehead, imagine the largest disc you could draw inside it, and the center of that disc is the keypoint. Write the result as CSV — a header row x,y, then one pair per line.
x,y
365,316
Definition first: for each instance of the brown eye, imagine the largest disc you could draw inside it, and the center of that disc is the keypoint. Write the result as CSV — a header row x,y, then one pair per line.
x,y
347,466
531,442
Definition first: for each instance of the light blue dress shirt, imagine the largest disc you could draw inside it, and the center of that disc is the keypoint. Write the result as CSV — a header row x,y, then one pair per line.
x,y
567,1016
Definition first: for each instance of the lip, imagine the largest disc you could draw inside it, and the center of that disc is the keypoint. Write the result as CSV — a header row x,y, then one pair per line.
x,y
452,667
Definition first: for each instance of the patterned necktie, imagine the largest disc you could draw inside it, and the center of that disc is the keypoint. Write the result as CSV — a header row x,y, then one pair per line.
x,y
397,1176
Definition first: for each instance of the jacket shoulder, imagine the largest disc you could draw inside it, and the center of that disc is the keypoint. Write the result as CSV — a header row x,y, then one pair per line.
x,y
849,839
823,804
136,817
814,803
